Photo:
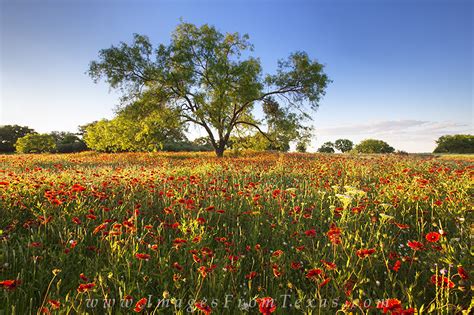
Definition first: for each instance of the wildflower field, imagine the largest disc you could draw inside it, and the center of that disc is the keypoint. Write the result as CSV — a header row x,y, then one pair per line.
x,y
259,233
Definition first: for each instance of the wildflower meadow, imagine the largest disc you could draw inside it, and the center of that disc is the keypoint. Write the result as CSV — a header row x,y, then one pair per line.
x,y
259,233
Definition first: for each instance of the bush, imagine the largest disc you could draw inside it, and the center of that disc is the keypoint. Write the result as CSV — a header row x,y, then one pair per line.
x,y
374,146
455,144
67,142
35,143
327,147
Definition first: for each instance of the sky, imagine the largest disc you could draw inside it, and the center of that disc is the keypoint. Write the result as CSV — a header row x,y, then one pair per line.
x,y
402,70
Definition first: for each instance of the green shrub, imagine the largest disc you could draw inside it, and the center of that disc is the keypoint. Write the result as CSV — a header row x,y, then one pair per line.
x,y
35,143
374,146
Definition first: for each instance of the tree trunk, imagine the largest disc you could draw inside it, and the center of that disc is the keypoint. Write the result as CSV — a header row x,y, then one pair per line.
x,y
220,151
220,148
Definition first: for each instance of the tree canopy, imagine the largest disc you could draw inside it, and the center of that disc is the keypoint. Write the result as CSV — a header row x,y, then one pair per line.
x,y
374,146
9,134
455,144
35,143
209,79
327,147
343,145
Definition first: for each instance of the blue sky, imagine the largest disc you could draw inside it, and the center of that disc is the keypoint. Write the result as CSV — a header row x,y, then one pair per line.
x,y
402,70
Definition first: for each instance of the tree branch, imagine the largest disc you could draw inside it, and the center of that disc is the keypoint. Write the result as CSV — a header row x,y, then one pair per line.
x,y
255,126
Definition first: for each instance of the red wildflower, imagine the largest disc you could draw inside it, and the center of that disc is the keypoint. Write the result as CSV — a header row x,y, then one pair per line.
x,y
362,253
251,275
463,273
142,256
177,266
300,248
432,237
295,265
196,258
277,253
91,216
99,228
402,226
349,286
266,305
10,284
85,287
392,305
77,188
203,307
329,265
397,266
141,305
334,234
415,245
313,273
326,281
55,304
310,233
83,277
203,271
442,281
276,271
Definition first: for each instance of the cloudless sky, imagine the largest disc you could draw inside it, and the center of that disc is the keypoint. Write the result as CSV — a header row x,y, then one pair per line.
x,y
402,70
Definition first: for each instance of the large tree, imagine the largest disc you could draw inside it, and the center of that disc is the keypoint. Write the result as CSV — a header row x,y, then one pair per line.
x,y
209,79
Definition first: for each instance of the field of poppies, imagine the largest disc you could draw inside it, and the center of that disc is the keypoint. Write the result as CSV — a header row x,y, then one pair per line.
x,y
259,233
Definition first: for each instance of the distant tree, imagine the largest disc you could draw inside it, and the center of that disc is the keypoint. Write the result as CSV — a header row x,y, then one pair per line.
x,y
203,144
35,143
343,145
67,142
302,146
202,75
283,126
327,147
374,146
455,144
9,134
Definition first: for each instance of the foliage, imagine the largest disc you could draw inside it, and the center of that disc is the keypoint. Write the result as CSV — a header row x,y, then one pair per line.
x,y
374,146
135,128
283,128
302,146
202,74
455,144
9,134
67,142
35,143
336,233
327,147
343,145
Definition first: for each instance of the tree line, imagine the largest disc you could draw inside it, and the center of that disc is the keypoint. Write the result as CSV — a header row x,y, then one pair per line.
x,y
106,136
